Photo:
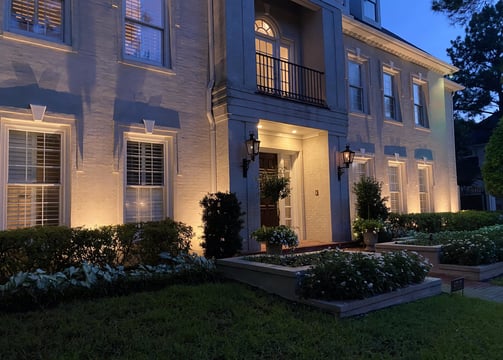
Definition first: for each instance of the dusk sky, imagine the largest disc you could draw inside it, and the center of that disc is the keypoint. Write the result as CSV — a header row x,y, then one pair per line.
x,y
415,22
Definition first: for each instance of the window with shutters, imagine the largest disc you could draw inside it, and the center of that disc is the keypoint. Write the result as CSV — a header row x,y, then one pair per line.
x,y
45,19
34,179
146,31
145,182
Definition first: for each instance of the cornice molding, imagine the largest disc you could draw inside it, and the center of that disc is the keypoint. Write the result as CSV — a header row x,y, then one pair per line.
x,y
378,39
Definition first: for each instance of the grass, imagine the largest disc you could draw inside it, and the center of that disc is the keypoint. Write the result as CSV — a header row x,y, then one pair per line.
x,y
233,321
497,281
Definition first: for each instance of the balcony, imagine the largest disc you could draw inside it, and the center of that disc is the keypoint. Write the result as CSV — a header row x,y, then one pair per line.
x,y
286,80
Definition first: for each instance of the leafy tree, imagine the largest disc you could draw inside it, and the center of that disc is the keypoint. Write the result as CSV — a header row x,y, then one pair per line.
x,y
479,56
459,11
492,169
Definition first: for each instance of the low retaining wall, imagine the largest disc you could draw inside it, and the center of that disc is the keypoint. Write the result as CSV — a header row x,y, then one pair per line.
x,y
432,253
477,273
283,281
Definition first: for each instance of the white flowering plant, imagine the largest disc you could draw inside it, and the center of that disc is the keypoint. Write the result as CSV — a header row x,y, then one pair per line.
x,y
347,275
475,247
276,235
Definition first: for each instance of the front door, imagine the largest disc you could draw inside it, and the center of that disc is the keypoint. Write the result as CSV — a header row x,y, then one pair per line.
x,y
268,209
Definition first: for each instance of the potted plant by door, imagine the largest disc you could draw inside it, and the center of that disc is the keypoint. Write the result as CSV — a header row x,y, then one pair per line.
x,y
370,229
274,187
275,237
371,210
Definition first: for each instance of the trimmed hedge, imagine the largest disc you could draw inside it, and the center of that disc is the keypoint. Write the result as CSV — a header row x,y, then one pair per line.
x,y
54,248
401,224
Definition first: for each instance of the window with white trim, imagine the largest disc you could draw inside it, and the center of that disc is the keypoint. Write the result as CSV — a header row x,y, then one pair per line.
x,y
355,82
270,47
34,184
361,167
420,113
145,182
395,187
45,19
389,96
424,189
146,31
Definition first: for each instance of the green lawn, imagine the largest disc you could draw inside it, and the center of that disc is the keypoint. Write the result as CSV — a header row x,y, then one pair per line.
x,y
232,321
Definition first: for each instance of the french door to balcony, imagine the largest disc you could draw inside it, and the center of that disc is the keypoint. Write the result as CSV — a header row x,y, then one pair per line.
x,y
273,76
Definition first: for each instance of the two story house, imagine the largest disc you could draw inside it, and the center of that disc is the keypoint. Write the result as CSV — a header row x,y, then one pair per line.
x,y
117,111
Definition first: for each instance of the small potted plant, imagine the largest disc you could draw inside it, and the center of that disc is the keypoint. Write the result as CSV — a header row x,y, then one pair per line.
x,y
369,228
275,237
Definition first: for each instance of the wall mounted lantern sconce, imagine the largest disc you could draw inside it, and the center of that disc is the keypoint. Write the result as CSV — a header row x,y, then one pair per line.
x,y
347,157
252,149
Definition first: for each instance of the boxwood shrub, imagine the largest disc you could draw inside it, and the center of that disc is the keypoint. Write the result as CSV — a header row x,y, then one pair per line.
x,y
54,248
402,224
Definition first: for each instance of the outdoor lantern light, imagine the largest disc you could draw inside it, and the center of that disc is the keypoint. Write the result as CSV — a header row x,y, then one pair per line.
x,y
252,149
347,157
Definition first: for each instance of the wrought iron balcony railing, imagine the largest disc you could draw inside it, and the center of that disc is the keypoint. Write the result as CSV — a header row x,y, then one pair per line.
x,y
284,79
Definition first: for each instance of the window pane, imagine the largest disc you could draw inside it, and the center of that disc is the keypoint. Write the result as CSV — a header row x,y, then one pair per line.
x,y
144,30
369,9
145,11
43,17
34,158
354,73
29,205
143,42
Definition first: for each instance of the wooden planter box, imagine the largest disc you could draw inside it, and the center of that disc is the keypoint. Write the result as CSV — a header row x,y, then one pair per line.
x,y
283,281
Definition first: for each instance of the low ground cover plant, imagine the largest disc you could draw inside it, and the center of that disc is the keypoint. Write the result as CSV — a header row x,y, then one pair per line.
x,y
476,247
341,275
39,289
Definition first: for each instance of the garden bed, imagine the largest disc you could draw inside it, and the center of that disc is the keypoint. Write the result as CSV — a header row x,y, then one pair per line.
x,y
477,273
432,252
283,281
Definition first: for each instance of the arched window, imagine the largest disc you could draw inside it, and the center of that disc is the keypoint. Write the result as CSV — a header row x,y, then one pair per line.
x,y
273,56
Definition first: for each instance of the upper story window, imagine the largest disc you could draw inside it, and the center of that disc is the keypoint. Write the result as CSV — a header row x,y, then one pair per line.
x,y
370,9
355,86
45,19
273,56
146,32
420,113
389,96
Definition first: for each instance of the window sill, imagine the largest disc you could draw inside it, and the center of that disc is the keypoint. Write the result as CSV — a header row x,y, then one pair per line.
x,y
359,114
34,41
420,128
148,67
393,122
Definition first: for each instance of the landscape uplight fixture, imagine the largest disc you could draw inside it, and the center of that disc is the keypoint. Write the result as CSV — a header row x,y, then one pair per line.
x,y
347,157
252,149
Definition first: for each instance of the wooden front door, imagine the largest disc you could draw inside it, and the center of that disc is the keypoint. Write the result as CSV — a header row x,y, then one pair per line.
x,y
268,209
